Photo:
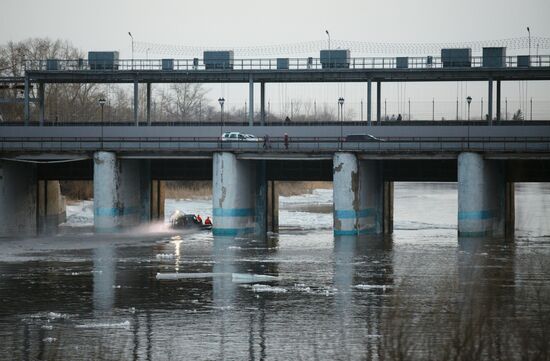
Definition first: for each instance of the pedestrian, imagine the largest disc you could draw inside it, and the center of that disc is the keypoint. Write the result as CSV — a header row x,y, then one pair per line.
x,y
266,142
399,118
287,120
286,140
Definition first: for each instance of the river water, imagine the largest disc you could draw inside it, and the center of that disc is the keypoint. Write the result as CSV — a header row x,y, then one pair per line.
x,y
420,294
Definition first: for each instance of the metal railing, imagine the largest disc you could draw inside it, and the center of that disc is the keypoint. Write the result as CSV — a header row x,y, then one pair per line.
x,y
424,62
277,123
278,144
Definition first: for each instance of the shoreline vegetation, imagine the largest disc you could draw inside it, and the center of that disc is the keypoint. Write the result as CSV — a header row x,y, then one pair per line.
x,y
82,190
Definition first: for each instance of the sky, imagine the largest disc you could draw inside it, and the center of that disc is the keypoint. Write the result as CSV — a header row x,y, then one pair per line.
x,y
104,25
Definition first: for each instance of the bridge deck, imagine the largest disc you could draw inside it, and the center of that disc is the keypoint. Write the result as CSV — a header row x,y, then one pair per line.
x,y
303,141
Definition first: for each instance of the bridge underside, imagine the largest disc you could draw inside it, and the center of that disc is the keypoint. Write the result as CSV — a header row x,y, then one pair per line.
x,y
395,170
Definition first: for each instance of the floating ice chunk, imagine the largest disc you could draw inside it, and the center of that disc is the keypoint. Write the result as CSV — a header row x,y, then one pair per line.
x,y
372,287
124,325
266,288
252,278
49,339
165,256
55,315
179,276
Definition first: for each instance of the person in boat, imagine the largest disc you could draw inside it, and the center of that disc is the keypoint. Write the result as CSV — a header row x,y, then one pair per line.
x,y
199,219
207,221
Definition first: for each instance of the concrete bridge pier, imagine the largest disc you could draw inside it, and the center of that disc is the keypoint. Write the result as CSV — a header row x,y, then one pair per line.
x,y
244,201
157,200
363,203
485,199
233,198
18,194
122,192
51,207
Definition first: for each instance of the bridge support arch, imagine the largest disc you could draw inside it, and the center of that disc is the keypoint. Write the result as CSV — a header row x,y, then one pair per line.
x,y
363,202
122,192
485,199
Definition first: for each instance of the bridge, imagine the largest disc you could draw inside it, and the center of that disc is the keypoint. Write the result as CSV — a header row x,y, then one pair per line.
x,y
129,161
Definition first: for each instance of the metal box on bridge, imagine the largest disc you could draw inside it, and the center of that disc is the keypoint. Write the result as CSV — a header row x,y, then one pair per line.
x,y
218,59
456,58
524,61
52,64
402,62
103,60
335,58
167,64
494,57
282,63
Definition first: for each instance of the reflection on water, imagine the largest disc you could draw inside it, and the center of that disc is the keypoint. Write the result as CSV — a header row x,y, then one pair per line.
x,y
301,294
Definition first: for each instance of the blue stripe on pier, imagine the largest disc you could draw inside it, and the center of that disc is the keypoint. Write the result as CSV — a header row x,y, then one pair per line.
x,y
232,231
352,213
487,214
113,211
233,212
354,232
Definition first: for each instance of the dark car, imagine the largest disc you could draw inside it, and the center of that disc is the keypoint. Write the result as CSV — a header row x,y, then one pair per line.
x,y
362,138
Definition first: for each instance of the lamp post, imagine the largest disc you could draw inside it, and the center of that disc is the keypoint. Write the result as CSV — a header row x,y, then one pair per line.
x,y
469,100
221,101
341,104
102,102
131,36
529,35
328,34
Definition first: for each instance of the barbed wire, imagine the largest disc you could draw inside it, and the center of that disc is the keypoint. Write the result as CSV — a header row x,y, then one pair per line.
x,y
356,47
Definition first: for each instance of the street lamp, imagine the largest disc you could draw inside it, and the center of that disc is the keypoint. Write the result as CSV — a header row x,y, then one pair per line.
x,y
102,102
469,100
341,104
328,34
129,33
221,101
529,34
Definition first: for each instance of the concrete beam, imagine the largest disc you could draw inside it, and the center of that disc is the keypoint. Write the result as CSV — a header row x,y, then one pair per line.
x,y
369,102
250,101
490,102
272,207
26,107
157,200
51,207
136,103
498,101
148,110
262,103
379,102
41,102
18,194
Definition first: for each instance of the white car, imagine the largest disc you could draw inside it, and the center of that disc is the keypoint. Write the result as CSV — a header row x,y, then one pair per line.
x,y
238,136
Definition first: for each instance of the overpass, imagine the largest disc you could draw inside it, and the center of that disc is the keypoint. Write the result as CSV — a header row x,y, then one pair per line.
x,y
129,161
